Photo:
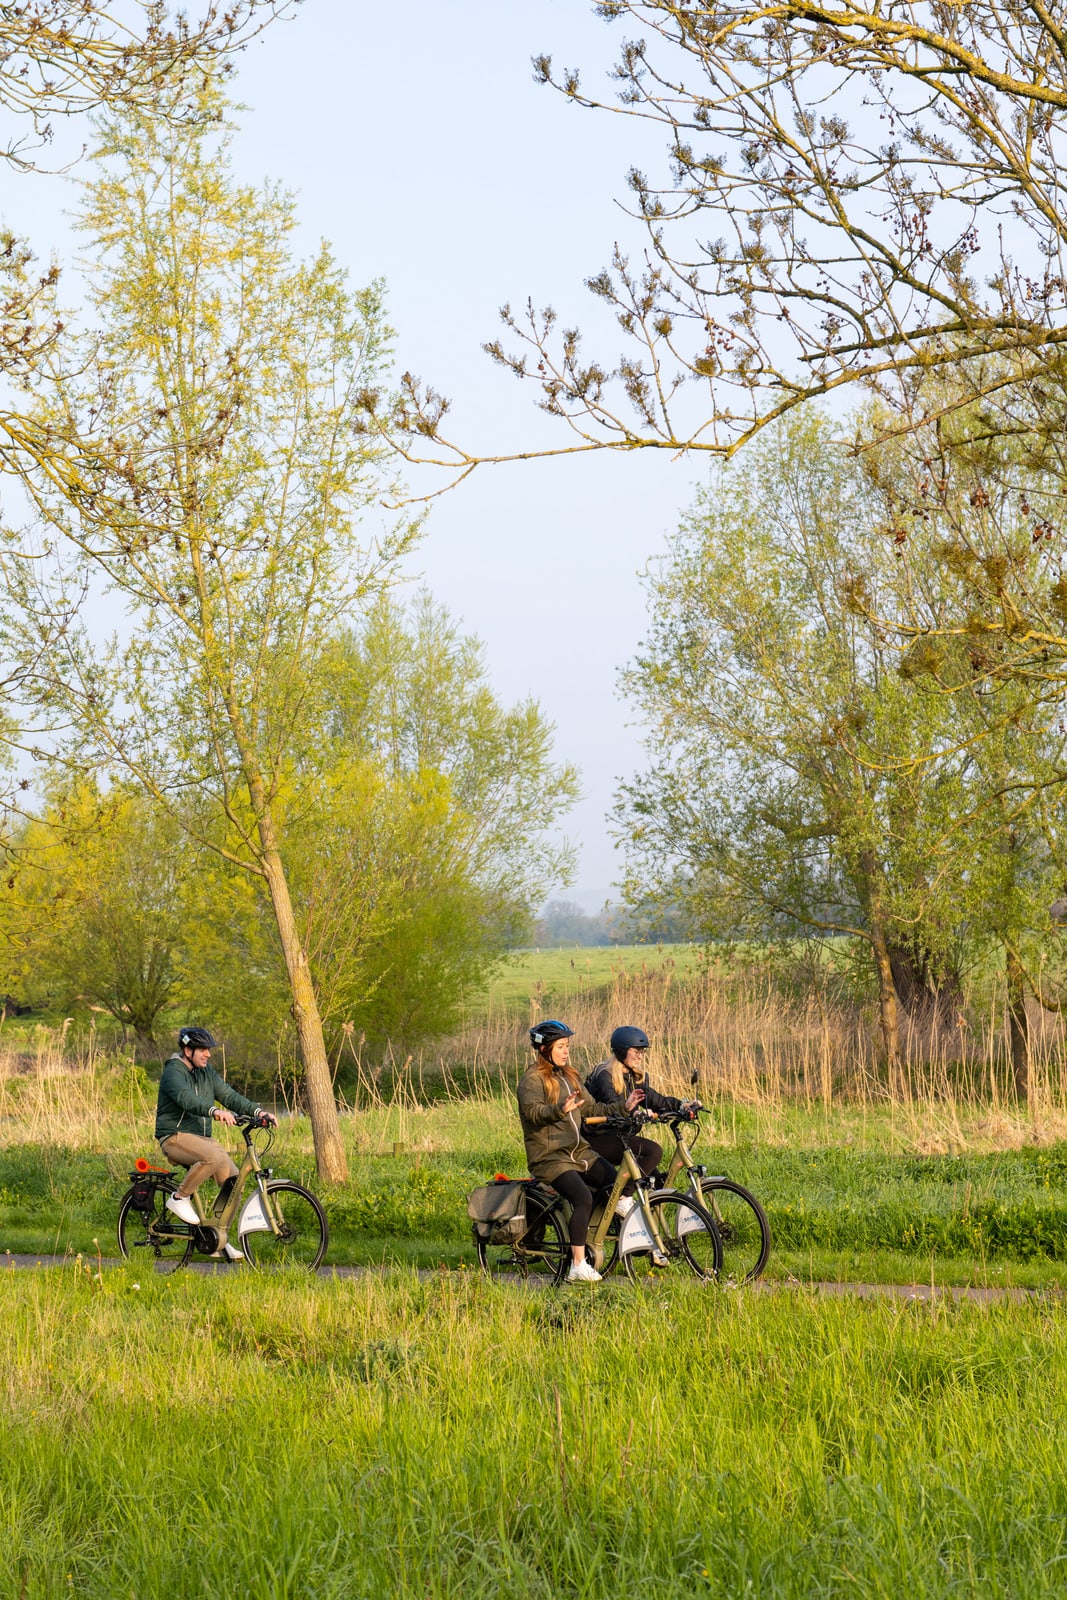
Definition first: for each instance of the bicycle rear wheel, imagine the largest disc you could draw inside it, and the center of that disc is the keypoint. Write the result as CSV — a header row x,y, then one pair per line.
x,y
144,1236
688,1234
743,1228
543,1253
302,1234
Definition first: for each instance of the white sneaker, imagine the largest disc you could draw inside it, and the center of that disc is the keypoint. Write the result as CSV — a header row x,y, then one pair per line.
x,y
624,1205
582,1272
182,1207
233,1252
659,1259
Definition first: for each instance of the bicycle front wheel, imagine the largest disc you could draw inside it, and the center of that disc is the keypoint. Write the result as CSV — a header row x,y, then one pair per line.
x,y
302,1234
144,1235
743,1228
687,1233
542,1253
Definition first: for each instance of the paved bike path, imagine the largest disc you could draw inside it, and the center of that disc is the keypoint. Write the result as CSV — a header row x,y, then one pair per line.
x,y
974,1294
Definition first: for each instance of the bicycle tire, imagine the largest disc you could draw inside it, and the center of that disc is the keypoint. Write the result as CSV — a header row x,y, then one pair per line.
x,y
743,1228
138,1242
543,1253
305,1232
701,1249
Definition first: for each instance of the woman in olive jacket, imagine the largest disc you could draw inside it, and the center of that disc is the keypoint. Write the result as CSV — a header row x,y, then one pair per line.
x,y
552,1103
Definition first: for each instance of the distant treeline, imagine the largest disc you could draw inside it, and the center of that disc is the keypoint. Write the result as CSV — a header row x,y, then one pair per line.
x,y
564,922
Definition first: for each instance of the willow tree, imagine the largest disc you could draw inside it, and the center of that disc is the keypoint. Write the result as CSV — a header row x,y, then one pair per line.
x,y
830,194
799,780
216,481
61,60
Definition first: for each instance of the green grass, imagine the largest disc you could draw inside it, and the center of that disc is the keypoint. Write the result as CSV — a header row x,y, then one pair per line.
x,y
449,1439
556,975
836,1211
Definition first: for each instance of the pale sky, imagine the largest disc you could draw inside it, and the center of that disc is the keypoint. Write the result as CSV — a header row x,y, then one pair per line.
x,y
420,146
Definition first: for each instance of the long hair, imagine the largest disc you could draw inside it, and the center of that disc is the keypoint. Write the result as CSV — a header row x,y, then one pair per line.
x,y
550,1079
618,1075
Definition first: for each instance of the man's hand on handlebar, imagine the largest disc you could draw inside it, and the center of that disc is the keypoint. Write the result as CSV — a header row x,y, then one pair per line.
x,y
265,1119
222,1115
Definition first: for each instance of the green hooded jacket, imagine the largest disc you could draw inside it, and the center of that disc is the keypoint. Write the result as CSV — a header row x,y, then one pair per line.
x,y
186,1096
554,1142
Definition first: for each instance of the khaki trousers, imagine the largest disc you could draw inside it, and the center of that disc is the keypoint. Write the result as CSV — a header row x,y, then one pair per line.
x,y
205,1158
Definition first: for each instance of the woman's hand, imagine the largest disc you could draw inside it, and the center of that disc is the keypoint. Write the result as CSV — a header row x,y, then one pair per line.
x,y
572,1102
634,1098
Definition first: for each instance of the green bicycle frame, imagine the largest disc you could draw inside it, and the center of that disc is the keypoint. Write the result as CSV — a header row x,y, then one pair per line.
x,y
682,1160
250,1166
600,1225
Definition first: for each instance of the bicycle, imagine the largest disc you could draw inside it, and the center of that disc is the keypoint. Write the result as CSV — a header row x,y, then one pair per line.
x,y
662,1227
741,1220
543,1250
280,1223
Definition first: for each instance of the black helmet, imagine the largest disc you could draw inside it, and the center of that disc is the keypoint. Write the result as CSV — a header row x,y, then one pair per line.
x,y
544,1034
624,1039
196,1039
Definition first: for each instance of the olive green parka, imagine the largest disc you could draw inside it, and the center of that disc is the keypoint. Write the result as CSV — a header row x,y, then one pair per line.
x,y
554,1142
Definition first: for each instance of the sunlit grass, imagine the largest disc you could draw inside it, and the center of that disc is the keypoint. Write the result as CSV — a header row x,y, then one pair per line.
x,y
278,1439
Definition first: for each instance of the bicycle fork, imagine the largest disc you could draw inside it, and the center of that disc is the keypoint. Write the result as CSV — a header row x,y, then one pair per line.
x,y
650,1235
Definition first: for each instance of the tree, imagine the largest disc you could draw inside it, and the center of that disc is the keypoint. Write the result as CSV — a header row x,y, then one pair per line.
x,y
843,194
61,60
473,785
800,781
211,426
66,58
416,861
96,905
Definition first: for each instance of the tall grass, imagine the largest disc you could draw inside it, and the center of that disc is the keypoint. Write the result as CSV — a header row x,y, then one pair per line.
x,y
755,1046
447,1439
752,1043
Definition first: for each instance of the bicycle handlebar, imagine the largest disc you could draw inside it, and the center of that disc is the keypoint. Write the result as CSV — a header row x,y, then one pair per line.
x,y
639,1116
260,1120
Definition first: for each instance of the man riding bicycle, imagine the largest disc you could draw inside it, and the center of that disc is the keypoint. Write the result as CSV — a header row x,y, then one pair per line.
x,y
185,1110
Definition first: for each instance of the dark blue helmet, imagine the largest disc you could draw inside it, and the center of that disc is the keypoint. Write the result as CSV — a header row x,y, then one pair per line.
x,y
196,1039
624,1039
544,1034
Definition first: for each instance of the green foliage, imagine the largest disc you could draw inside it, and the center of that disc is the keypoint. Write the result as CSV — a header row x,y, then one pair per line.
x,y
415,860
803,777
96,908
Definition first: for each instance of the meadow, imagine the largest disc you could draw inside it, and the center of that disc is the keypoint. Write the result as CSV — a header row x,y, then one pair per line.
x,y
418,1431
446,1437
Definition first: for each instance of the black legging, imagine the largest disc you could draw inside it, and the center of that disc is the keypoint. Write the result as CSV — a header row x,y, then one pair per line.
x,y
579,1188
645,1152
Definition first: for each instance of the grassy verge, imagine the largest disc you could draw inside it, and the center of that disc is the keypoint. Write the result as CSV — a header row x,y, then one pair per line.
x,y
285,1440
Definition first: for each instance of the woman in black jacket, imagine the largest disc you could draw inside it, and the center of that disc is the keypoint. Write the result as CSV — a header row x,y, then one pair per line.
x,y
618,1079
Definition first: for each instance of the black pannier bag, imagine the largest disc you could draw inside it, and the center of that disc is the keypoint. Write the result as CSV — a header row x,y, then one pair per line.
x,y
144,1189
498,1210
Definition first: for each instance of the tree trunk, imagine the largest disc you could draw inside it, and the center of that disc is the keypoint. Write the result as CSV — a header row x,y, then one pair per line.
x,y
1018,1026
330,1158
887,1005
888,1009
931,992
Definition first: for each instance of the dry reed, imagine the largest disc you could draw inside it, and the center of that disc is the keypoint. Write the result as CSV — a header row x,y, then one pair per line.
x,y
755,1048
